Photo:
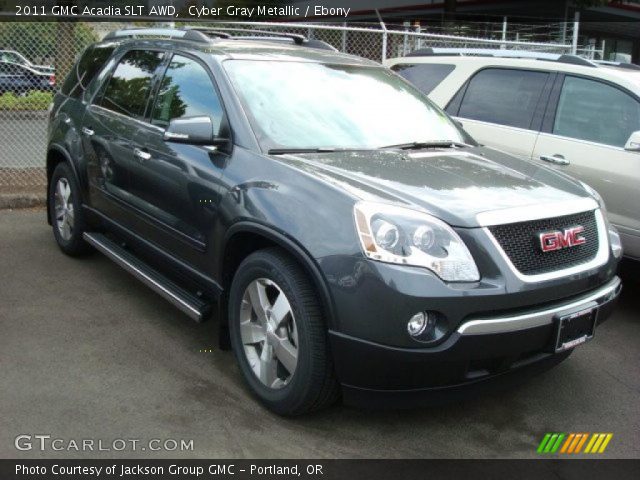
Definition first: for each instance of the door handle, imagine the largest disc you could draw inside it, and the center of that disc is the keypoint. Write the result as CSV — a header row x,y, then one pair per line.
x,y
556,159
87,131
141,154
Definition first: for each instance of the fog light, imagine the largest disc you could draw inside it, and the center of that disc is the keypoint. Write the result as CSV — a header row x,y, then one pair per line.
x,y
417,324
427,326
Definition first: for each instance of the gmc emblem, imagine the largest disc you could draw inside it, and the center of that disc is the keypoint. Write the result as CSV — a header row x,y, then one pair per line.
x,y
552,241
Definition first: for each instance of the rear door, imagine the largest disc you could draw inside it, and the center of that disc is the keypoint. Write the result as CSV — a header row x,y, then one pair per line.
x,y
109,126
585,131
503,107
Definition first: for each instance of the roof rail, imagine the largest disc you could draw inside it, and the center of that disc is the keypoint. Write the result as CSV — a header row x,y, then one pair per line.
x,y
170,33
488,52
626,66
297,38
204,34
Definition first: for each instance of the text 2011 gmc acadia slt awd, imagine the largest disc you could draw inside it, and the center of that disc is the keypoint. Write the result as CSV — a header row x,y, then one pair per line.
x,y
350,238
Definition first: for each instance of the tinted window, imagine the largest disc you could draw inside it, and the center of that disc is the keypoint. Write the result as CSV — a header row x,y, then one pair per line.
x,y
186,91
425,76
128,89
506,97
86,69
595,111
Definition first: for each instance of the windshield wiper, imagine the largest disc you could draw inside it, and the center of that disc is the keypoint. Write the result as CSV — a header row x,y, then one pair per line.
x,y
284,151
430,144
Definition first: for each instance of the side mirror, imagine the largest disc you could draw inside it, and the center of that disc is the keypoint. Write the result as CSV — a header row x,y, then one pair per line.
x,y
193,131
633,144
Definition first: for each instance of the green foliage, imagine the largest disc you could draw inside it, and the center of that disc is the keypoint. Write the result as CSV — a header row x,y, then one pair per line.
x,y
39,39
32,101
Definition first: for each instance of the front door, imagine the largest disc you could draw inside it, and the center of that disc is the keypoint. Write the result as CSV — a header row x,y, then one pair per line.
x,y
177,186
593,121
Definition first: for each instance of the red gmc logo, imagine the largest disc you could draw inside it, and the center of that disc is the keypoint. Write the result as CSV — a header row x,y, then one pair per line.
x,y
552,241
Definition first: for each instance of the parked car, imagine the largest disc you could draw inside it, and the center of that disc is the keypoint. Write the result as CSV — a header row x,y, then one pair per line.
x,y
11,56
347,235
580,117
21,80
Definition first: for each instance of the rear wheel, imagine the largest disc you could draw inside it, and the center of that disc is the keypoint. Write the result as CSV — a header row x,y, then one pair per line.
x,y
279,336
65,211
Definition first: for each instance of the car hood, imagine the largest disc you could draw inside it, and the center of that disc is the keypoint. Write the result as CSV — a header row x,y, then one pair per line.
x,y
452,184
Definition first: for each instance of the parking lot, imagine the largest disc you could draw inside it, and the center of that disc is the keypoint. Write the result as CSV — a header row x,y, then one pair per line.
x,y
88,352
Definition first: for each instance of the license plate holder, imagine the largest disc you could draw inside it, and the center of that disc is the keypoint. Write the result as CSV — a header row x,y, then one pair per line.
x,y
575,328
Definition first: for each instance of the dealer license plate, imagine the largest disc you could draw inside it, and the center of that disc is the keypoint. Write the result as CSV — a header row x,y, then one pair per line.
x,y
575,328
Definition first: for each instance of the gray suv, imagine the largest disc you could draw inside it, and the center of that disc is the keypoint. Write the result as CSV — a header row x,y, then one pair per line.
x,y
347,236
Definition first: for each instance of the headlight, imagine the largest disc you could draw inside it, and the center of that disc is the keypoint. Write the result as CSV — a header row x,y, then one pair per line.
x,y
393,234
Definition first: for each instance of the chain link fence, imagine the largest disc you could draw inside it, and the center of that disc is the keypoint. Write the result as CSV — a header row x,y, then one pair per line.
x,y
36,56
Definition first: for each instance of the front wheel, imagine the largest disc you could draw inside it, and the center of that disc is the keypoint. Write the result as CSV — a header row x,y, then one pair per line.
x,y
279,336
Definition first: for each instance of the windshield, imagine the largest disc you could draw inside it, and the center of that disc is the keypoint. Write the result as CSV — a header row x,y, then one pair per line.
x,y
312,105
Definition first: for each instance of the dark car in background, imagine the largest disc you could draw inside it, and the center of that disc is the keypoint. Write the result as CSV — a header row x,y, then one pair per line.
x,y
348,236
21,80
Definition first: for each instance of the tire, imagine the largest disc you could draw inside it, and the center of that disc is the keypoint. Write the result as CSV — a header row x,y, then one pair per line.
x,y
69,237
312,385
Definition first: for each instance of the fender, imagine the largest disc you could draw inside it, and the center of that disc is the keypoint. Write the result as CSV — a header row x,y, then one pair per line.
x,y
62,151
293,248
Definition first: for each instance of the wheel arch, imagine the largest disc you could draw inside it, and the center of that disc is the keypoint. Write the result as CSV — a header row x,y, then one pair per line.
x,y
246,237
56,155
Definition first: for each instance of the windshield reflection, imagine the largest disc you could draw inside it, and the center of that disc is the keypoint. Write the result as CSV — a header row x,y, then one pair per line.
x,y
315,105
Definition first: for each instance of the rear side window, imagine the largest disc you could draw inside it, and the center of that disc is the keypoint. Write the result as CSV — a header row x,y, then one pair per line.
x,y
425,76
86,69
186,91
597,112
128,88
503,96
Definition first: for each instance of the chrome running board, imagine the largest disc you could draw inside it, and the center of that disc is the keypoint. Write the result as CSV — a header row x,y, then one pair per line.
x,y
191,305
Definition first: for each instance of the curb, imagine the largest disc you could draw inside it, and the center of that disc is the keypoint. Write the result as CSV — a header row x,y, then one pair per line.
x,y
22,200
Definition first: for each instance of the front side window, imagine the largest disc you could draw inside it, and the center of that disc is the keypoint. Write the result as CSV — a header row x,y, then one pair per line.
x,y
313,105
186,91
425,76
503,96
128,89
597,112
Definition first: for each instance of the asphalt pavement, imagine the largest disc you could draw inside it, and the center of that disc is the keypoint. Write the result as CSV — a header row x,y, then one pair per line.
x,y
87,352
23,137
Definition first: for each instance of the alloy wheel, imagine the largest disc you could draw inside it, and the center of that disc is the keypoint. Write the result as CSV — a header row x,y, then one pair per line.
x,y
63,207
269,333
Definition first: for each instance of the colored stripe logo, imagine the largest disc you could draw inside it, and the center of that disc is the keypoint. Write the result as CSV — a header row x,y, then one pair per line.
x,y
572,443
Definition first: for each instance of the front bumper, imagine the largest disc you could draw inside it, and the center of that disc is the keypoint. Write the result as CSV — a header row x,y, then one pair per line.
x,y
481,349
